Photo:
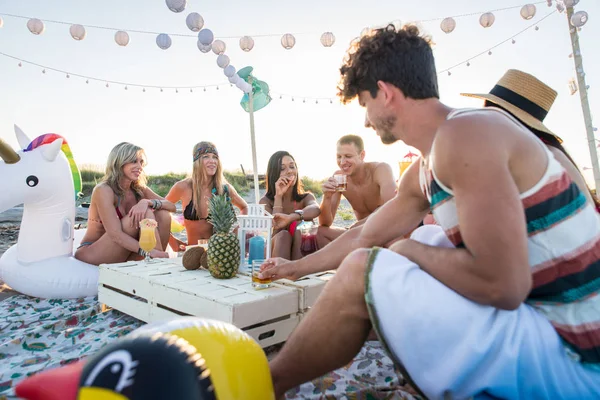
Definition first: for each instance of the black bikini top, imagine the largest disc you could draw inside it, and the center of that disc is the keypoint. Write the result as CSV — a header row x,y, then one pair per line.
x,y
190,212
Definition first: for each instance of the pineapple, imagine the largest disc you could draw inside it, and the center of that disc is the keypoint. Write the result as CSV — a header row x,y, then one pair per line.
x,y
223,246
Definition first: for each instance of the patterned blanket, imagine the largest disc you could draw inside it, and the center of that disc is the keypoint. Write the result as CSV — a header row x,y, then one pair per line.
x,y
37,334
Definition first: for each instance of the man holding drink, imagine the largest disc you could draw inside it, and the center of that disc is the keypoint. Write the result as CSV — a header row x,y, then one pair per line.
x,y
366,186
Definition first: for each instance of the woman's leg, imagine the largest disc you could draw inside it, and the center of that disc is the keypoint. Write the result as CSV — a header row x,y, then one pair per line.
x,y
296,244
163,218
282,245
105,250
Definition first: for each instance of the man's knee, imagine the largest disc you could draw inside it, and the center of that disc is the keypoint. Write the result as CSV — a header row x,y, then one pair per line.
x,y
354,265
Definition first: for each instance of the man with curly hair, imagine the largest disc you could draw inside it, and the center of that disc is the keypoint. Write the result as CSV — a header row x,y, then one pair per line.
x,y
499,301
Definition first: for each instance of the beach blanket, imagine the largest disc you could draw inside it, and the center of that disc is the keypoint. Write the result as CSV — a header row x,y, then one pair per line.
x,y
37,334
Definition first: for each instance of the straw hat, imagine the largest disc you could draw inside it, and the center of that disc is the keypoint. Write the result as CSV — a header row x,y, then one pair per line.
x,y
524,96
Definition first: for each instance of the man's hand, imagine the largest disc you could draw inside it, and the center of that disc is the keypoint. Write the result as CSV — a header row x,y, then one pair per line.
x,y
278,268
281,221
329,187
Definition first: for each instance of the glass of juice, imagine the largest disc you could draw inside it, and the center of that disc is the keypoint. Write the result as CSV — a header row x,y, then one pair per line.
x,y
342,182
148,236
309,239
258,283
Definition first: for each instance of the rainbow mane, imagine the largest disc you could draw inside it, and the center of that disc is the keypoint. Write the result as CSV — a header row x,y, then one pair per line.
x,y
51,137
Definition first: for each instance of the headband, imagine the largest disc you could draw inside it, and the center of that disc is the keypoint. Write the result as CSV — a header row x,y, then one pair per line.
x,y
205,149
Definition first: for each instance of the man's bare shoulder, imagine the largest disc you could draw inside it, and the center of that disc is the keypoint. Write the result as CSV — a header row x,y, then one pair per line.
x,y
374,166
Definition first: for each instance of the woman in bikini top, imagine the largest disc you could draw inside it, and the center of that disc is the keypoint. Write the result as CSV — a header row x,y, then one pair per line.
x,y
118,205
290,205
207,179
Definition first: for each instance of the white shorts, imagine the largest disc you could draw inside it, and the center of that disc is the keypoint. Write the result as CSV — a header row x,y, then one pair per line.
x,y
452,348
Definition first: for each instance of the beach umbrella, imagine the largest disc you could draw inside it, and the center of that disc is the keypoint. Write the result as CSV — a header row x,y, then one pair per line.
x,y
407,160
77,32
253,100
246,43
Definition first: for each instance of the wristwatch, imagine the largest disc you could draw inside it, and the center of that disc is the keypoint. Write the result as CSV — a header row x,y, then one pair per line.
x,y
300,213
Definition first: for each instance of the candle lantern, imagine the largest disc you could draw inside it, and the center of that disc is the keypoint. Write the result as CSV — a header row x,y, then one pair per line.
x,y
254,234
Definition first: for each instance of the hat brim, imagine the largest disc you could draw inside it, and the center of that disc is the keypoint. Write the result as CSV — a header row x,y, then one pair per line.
x,y
521,115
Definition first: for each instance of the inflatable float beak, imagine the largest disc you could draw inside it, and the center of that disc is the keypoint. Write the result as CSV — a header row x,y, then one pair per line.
x,y
55,384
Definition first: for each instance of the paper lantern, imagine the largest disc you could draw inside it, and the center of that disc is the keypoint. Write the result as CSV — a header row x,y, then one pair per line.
x,y
222,60
288,41
572,86
487,19
122,38
448,25
233,79
218,47
579,19
549,3
77,32
194,21
570,3
246,43
205,36
176,5
1,22
205,48
163,41
528,11
229,71
327,39
240,84
35,26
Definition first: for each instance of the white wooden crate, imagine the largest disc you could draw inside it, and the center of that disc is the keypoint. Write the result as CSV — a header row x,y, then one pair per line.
x,y
309,287
164,289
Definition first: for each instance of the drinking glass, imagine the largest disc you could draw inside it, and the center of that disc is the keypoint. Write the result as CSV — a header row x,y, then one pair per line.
x,y
342,182
148,236
258,283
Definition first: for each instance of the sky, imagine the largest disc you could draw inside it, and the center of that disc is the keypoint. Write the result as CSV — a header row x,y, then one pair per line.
x,y
94,118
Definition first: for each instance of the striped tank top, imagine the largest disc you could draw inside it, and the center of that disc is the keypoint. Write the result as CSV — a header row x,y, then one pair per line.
x,y
563,249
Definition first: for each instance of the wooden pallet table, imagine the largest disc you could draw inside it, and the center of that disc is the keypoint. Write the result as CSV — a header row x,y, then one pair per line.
x,y
164,289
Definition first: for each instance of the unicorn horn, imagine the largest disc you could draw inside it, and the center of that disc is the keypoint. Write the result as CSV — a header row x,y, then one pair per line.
x,y
8,154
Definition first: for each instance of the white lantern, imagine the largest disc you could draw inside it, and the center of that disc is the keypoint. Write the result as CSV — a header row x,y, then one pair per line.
x,y
572,86
163,41
122,38
205,36
570,3
247,88
229,71
176,5
205,48
579,19
233,79
487,19
288,41
448,25
35,26
327,39
549,3
77,32
194,21
258,222
528,11
222,60
246,43
1,22
240,84
218,47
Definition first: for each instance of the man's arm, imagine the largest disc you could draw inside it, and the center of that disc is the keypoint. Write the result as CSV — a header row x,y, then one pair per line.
x,y
384,177
493,268
329,203
394,219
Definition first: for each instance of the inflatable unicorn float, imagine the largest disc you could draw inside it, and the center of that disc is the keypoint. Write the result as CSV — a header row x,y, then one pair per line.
x,y
44,177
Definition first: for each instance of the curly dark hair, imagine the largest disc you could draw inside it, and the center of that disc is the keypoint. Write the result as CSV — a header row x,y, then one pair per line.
x,y
399,56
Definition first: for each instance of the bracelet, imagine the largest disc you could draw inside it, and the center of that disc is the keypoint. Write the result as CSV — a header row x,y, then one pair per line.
x,y
142,252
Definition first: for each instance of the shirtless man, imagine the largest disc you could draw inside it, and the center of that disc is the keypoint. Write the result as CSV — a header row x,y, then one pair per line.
x,y
370,184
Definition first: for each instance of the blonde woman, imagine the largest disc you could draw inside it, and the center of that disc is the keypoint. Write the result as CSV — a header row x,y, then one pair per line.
x,y
194,192
118,205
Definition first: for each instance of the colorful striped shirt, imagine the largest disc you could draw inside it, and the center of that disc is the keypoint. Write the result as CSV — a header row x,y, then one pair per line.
x,y
563,249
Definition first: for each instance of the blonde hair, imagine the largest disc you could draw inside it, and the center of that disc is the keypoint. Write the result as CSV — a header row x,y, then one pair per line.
x,y
199,176
121,154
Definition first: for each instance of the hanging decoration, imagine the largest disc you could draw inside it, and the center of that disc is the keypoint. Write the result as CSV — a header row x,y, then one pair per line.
x,y
218,47
288,41
528,11
122,38
163,41
327,39
205,48
487,19
572,86
35,26
176,6
448,24
194,22
222,60
579,19
260,90
206,37
246,43
77,32
1,22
